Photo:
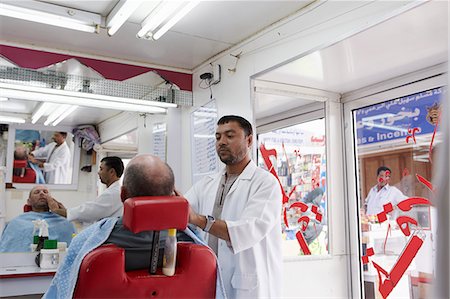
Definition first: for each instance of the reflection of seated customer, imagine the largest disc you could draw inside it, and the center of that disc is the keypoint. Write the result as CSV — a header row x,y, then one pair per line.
x,y
58,160
382,193
18,234
23,170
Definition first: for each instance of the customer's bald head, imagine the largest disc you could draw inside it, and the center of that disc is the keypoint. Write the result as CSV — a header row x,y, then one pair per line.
x,y
147,175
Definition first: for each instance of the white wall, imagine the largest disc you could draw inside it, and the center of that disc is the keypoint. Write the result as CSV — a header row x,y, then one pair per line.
x,y
319,25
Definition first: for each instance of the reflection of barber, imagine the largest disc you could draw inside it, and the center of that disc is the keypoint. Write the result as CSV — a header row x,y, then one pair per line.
x,y
57,166
108,204
382,193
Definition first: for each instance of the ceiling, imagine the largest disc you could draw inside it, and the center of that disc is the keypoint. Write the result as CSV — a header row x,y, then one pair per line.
x,y
403,44
210,28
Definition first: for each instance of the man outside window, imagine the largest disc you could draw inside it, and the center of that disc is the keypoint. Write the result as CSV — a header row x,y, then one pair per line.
x,y
382,193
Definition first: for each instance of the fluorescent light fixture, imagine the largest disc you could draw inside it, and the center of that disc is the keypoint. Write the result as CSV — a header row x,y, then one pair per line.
x,y
120,13
43,108
56,113
64,115
158,15
3,99
51,14
11,119
42,94
184,11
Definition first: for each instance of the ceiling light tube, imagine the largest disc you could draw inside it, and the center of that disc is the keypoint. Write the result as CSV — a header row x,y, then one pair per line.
x,y
184,11
158,15
43,107
88,100
66,113
56,113
3,99
44,13
74,94
11,119
120,13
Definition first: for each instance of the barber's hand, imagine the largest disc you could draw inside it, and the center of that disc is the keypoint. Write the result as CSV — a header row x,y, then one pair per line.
x,y
56,207
32,159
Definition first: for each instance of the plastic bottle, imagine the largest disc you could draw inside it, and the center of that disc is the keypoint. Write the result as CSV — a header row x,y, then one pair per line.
x,y
49,256
42,237
170,253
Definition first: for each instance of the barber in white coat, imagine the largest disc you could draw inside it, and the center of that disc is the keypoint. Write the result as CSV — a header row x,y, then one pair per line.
x,y
57,168
108,204
240,211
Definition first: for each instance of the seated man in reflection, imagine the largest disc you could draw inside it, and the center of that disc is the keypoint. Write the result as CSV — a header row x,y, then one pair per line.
x,y
145,175
18,234
108,204
382,193
57,167
21,154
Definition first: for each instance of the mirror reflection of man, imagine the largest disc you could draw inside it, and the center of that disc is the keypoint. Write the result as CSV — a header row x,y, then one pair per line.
x,y
18,234
108,204
56,168
382,193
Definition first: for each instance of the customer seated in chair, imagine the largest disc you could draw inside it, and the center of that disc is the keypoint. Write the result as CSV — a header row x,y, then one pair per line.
x,y
145,175
18,234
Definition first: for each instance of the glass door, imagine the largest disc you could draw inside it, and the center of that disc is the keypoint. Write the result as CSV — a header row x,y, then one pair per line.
x,y
395,139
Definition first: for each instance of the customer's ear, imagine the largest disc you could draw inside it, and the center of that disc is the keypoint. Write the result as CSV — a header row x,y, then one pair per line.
x,y
123,193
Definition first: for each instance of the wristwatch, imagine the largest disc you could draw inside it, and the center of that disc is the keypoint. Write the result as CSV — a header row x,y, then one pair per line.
x,y
209,222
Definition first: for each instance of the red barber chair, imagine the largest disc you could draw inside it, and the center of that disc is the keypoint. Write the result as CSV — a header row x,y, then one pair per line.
x,y
29,175
102,272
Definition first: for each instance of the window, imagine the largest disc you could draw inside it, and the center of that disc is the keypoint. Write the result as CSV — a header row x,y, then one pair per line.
x,y
296,156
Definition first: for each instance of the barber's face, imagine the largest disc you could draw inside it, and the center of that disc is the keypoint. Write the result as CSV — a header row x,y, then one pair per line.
x,y
231,143
383,178
104,173
58,138
38,198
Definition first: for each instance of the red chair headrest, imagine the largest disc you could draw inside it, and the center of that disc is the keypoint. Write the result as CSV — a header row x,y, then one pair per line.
x,y
27,208
155,213
20,164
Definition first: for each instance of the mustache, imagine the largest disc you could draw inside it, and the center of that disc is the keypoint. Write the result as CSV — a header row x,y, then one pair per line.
x,y
223,148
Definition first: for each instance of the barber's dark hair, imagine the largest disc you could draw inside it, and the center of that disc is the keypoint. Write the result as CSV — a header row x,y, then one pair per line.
x,y
243,123
383,168
64,134
138,183
114,163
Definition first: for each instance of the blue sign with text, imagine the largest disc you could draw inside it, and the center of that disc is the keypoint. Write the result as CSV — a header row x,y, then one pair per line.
x,y
417,113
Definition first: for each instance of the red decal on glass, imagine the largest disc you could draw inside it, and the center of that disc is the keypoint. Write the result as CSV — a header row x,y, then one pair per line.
x,y
424,181
413,134
303,245
436,123
403,222
265,153
407,204
369,253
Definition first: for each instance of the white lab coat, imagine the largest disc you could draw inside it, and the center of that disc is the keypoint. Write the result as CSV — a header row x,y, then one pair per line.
x,y
252,264
377,199
58,168
108,204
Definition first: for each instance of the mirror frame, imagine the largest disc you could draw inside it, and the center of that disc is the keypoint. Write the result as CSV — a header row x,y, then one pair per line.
x,y
10,156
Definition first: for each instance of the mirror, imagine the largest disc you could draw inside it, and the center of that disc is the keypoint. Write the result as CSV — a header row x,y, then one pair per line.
x,y
42,155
